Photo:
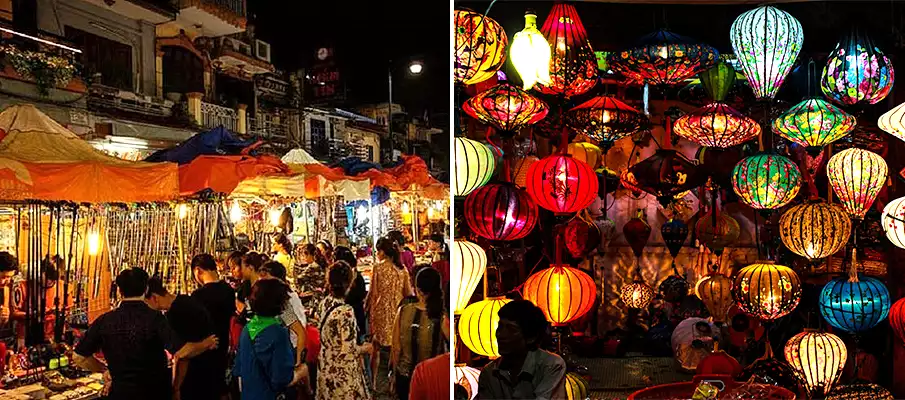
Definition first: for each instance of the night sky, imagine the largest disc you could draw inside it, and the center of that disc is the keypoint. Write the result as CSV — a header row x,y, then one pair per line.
x,y
366,35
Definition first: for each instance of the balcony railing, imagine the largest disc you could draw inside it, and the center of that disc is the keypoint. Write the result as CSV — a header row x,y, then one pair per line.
x,y
268,128
213,116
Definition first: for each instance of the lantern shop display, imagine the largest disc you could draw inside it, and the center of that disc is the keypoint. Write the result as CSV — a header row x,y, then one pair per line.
x,y
893,122
628,182
506,108
897,319
468,378
530,54
857,176
573,67
478,324
579,237
500,212
818,359
562,292
854,303
480,47
605,119
857,72
860,391
674,287
469,261
716,125
663,58
766,41
814,123
767,291
576,387
474,165
717,232
674,233
520,170
715,290
585,152
766,181
718,80
562,184
815,229
666,174
637,294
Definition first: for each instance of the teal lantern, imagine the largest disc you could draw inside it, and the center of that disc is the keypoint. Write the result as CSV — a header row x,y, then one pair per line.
x,y
856,303
766,181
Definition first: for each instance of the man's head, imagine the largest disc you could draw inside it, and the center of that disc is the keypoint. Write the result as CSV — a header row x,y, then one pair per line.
x,y
132,282
436,242
522,327
202,264
9,266
268,297
158,297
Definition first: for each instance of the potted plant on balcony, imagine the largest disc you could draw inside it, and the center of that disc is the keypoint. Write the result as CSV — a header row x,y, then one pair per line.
x,y
46,70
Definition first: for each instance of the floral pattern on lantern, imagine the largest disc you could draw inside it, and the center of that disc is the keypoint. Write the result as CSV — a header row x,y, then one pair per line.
x,y
500,212
468,378
814,123
506,107
477,326
893,222
897,319
636,294
766,181
562,292
480,47
605,119
857,176
663,58
857,72
817,358
562,184
716,125
469,261
855,303
767,291
815,229
475,164
893,122
717,233
715,291
766,41
573,68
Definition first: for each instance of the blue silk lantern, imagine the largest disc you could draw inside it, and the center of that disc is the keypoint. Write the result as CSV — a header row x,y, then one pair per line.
x,y
856,303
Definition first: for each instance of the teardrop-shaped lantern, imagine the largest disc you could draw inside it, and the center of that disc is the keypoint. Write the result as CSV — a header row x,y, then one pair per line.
x,y
562,184
766,181
469,261
718,81
507,108
818,358
605,119
857,72
474,166
715,291
766,41
893,222
573,68
717,234
716,125
480,47
562,292
857,175
767,291
530,54
637,232
666,174
663,58
854,303
580,237
500,211
814,123
478,324
814,229
674,233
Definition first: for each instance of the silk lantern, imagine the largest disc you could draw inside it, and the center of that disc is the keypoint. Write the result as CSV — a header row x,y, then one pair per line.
x,y
818,358
715,291
478,324
766,290
766,41
716,125
474,166
637,233
719,163
500,211
637,294
507,108
605,119
580,237
674,233
893,222
480,47
897,319
530,54
576,387
717,233
469,261
766,181
718,80
520,170
857,176
855,303
663,58
573,67
893,122
815,229
562,292
562,184
468,378
857,72
666,174
586,152
814,123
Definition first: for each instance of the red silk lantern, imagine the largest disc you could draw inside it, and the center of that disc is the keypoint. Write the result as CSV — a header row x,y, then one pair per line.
x,y
507,108
637,232
562,184
716,125
580,237
719,363
897,319
573,66
605,119
562,292
500,211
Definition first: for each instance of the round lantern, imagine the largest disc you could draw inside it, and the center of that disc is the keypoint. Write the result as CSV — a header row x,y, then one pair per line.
x,y
897,319
857,72
862,391
766,181
585,152
718,234
767,291
576,387
766,41
469,261
716,125
573,67
468,378
474,166
637,233
663,58
674,287
580,237
478,324
715,290
718,80
562,292
605,119
857,176
562,184
480,47
855,303
666,174
500,211
815,229
507,108
814,123
520,170
530,54
636,294
818,358
893,122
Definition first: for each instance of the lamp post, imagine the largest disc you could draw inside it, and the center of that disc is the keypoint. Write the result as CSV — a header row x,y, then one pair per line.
x,y
415,68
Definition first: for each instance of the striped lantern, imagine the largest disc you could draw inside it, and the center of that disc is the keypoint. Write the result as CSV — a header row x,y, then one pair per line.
x,y
814,123
857,72
766,41
573,65
766,181
718,234
576,387
818,359
814,229
893,122
855,303
469,261
468,378
718,80
893,222
520,170
767,291
480,47
716,125
507,108
715,291
605,119
586,152
478,324
562,184
475,163
897,319
500,211
562,292
857,176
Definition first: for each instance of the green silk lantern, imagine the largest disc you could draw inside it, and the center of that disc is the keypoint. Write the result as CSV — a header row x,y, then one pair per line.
x,y
814,123
717,81
766,181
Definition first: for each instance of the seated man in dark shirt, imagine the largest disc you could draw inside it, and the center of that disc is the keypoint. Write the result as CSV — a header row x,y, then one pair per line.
x,y
219,299
133,338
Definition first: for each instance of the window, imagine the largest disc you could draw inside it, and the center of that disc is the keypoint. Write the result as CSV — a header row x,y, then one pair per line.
x,y
183,71
109,58
319,142
371,153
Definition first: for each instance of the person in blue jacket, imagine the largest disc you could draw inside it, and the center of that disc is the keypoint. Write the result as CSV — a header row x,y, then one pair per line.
x,y
265,360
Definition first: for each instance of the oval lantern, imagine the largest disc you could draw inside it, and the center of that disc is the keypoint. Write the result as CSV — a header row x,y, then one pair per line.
x,y
637,233
478,324
766,181
586,152
573,66
576,387
520,170
861,391
893,222
636,294
815,229
580,237
818,358
663,58
716,235
767,291
562,292
506,108
857,176
480,47
766,41
814,123
474,166
855,303
468,378
605,119
469,261
857,72
897,319
500,212
716,125
715,290
674,287
674,233
562,184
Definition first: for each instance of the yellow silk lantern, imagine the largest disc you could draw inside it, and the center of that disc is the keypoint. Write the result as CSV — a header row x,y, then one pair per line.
x,y
814,229
576,387
469,261
586,152
857,176
530,54
637,294
715,291
562,292
477,326
817,358
474,164
766,290
480,47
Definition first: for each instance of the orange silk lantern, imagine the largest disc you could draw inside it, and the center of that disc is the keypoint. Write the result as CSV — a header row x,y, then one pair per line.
x,y
715,291
562,292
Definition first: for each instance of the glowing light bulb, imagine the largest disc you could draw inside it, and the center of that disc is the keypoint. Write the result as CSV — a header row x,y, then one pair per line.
x,y
606,116
406,209
430,213
663,52
235,213
275,216
94,242
182,211
530,54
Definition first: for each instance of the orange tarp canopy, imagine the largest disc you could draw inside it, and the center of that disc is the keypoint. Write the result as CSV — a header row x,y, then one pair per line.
x,y
42,160
222,174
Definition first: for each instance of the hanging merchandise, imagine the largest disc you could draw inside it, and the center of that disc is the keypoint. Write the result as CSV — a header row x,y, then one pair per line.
x,y
857,72
637,232
475,164
818,358
605,119
500,211
564,293
674,233
637,294
897,319
767,291
766,181
768,370
717,230
586,153
893,222
815,229
530,53
580,237
573,68
766,41
663,58
562,184
469,262
478,325
855,303
666,174
506,108
715,290
857,176
716,125
893,122
576,387
480,47
718,81
814,123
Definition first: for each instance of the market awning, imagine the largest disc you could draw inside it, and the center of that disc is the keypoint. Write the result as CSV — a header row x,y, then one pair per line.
x,y
222,174
321,180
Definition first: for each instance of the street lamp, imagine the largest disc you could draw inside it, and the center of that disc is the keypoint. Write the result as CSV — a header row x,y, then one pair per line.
x,y
415,68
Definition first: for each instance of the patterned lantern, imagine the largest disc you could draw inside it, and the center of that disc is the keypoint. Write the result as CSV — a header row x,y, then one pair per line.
x,y
716,125
628,181
897,319
818,358
474,166
718,80
530,54
573,69
637,232
715,290
576,387
562,292
500,212
893,122
857,176
857,72
814,123
580,237
468,378
520,170
768,370
766,41
469,261
815,229
766,181
663,58
585,152
717,233
562,184
674,287
507,108
666,174
480,47
862,391
637,294
674,233
477,326
767,291
856,303
605,119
